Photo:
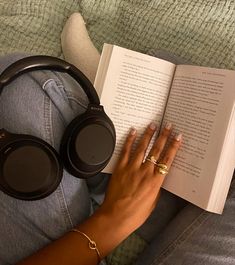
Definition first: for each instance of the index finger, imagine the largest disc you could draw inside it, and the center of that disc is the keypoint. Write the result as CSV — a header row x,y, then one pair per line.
x,y
126,149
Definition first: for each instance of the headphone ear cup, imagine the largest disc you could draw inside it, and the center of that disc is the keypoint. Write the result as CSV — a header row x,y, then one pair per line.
x,y
88,144
30,168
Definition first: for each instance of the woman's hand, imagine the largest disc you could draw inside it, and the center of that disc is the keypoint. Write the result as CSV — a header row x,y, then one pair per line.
x,y
131,196
134,187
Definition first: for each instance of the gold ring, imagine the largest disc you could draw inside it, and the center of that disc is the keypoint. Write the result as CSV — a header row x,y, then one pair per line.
x,y
162,168
151,159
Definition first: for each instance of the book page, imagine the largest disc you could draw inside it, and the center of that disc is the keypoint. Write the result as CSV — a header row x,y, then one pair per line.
x,y
225,168
200,105
134,92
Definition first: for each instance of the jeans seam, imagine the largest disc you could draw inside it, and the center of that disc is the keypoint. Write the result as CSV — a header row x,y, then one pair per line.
x,y
66,207
47,118
181,238
49,138
69,94
72,96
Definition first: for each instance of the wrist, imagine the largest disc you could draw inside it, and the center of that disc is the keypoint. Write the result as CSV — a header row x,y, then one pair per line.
x,y
123,216
106,229
116,220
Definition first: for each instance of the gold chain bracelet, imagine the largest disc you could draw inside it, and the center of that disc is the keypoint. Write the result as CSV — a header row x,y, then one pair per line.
x,y
91,244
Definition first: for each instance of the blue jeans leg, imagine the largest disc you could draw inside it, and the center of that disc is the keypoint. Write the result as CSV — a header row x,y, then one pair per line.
x,y
195,237
41,104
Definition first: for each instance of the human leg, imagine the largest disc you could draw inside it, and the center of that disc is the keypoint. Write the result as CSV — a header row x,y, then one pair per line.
x,y
168,206
41,104
196,237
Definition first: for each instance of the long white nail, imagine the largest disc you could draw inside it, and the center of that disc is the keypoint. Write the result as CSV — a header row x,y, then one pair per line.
x,y
153,126
178,137
132,131
168,125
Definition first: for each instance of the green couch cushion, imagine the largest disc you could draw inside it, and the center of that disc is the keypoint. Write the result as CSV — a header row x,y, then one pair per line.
x,y
199,31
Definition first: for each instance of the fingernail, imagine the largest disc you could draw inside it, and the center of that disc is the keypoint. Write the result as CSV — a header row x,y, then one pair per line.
x,y
153,126
178,137
168,125
132,131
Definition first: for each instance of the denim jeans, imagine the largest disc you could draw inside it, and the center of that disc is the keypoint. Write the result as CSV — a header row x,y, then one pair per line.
x,y
195,237
38,104
42,103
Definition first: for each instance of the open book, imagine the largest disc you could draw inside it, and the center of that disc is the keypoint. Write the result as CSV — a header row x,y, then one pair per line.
x,y
136,89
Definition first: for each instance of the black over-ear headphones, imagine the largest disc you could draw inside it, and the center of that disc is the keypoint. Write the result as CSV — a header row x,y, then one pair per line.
x,y
30,168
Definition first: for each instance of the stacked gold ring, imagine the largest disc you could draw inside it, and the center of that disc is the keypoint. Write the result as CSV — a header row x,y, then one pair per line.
x,y
151,159
162,168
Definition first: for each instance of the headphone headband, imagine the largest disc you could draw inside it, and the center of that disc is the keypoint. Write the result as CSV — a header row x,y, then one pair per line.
x,y
86,147
43,62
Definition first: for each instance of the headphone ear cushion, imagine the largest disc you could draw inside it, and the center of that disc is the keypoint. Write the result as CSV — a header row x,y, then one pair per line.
x,y
88,144
30,168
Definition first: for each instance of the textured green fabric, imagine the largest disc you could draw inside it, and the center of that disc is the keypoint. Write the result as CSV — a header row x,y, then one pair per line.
x,y
201,31
127,252
33,26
